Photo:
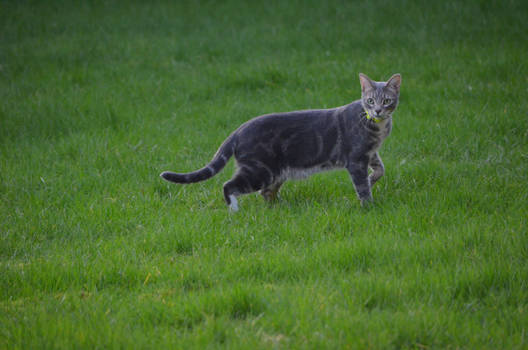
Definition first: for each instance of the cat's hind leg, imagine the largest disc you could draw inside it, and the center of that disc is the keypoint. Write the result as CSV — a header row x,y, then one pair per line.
x,y
232,189
270,193
245,180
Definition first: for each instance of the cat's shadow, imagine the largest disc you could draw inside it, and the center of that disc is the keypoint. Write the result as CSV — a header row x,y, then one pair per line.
x,y
314,193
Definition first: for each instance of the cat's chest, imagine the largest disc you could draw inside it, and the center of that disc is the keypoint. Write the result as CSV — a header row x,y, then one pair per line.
x,y
374,135
379,136
377,133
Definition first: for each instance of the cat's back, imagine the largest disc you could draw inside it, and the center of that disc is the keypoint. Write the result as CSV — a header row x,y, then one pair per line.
x,y
295,120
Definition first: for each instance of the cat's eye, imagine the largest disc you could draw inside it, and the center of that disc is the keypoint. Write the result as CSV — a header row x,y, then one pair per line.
x,y
387,101
370,101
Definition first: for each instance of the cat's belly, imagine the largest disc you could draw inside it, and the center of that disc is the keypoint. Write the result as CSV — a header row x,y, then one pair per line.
x,y
292,173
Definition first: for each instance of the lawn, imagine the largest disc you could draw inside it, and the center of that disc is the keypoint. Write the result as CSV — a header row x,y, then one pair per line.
x,y
96,251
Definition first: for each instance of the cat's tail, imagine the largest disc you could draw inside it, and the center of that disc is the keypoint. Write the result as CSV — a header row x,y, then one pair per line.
x,y
215,165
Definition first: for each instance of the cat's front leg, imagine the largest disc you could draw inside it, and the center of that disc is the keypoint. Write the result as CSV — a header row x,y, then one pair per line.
x,y
377,168
359,172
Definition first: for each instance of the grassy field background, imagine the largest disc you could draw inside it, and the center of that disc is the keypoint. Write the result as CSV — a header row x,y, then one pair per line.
x,y
96,251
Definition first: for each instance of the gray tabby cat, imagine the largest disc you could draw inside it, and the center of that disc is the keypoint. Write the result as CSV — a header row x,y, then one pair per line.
x,y
273,148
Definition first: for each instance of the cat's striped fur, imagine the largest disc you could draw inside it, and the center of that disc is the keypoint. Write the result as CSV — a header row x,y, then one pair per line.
x,y
273,148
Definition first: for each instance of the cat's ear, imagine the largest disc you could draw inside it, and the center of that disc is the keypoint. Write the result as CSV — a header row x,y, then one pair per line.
x,y
366,83
394,83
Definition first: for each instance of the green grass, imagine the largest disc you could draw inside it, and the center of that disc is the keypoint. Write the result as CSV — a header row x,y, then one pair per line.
x,y
96,251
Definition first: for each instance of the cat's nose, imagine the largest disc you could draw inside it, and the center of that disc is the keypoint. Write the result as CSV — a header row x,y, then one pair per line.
x,y
377,110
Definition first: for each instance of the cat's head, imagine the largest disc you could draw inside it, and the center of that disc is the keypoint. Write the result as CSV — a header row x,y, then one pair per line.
x,y
380,99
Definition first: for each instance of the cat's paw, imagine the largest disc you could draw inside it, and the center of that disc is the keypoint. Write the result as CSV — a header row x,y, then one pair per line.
x,y
233,207
367,202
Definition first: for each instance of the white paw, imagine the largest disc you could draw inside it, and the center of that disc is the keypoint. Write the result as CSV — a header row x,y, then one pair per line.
x,y
234,203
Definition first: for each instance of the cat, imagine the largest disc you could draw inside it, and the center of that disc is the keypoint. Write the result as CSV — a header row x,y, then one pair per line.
x,y
273,148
